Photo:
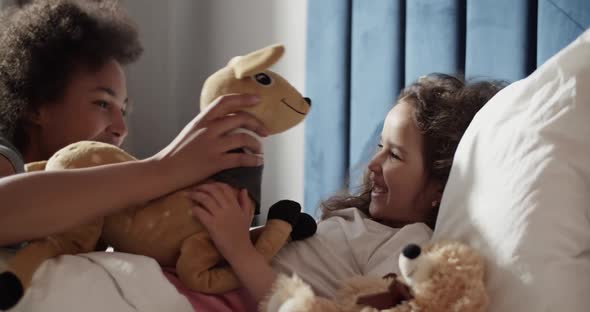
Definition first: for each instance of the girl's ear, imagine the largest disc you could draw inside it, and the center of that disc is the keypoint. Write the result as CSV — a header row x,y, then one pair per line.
x,y
435,192
37,115
34,116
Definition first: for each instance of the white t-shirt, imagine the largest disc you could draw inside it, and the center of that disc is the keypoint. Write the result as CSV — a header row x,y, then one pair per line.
x,y
345,245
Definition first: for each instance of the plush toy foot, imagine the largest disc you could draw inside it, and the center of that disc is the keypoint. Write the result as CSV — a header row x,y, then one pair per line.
x,y
11,290
305,227
286,210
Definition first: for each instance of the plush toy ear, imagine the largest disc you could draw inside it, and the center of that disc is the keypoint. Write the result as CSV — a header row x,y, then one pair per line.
x,y
256,61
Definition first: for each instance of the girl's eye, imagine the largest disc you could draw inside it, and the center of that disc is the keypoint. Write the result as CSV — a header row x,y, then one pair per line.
x,y
392,154
124,112
102,104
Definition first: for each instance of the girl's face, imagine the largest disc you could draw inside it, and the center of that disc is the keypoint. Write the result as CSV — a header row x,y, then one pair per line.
x,y
92,108
402,192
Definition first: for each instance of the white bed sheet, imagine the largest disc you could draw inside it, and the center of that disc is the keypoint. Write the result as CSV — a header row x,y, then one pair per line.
x,y
100,281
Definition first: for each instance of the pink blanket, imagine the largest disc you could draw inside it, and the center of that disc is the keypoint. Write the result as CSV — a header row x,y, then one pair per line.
x,y
237,300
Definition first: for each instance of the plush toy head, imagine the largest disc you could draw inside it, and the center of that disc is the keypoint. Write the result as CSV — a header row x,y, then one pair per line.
x,y
281,105
445,276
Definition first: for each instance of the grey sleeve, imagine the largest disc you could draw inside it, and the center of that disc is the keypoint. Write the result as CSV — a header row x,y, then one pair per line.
x,y
9,152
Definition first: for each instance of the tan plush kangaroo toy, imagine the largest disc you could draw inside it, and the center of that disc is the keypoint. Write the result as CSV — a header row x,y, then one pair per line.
x,y
164,228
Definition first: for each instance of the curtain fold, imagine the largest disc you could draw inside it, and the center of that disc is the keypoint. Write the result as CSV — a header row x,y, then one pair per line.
x,y
376,54
328,67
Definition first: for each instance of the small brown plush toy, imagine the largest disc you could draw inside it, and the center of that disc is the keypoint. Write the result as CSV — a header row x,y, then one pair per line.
x,y
164,228
445,276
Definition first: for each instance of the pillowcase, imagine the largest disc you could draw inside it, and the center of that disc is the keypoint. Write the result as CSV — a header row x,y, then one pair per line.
x,y
519,188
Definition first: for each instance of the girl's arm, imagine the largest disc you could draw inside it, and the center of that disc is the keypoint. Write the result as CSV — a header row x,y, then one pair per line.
x,y
227,219
40,203
253,271
6,168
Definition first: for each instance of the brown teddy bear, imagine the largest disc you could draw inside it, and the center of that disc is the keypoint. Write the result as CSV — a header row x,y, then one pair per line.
x,y
164,228
445,276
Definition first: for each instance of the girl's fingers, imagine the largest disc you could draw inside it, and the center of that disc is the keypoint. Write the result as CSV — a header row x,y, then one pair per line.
x,y
233,141
223,194
229,193
233,160
226,124
202,214
245,201
205,201
213,190
228,104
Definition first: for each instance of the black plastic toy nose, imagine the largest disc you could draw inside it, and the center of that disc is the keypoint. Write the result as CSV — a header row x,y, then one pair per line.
x,y
308,100
411,251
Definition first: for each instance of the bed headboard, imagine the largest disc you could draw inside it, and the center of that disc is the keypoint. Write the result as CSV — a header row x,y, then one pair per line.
x,y
361,53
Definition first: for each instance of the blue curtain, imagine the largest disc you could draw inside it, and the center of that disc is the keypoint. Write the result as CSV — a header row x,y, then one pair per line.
x,y
360,53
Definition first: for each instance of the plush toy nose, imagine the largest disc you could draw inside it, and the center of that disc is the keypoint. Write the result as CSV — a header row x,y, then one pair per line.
x,y
308,100
411,251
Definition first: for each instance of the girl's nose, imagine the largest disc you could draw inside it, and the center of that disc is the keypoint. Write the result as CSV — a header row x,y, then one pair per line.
x,y
118,126
375,163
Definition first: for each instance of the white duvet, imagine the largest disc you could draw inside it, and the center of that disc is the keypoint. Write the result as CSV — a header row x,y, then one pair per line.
x,y
101,281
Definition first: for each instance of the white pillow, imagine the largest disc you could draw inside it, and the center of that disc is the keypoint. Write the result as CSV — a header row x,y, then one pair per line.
x,y
519,189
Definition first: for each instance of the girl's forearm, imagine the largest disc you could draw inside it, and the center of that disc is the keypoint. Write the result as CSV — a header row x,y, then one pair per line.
x,y
254,272
90,193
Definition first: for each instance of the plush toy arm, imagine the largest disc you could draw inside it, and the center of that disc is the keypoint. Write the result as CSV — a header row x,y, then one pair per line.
x,y
285,222
23,265
273,236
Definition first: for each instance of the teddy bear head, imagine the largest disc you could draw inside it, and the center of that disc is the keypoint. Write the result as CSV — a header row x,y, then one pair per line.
x,y
281,105
444,276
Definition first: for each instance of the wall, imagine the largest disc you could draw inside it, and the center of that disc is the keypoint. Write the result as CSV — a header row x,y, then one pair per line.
x,y
185,41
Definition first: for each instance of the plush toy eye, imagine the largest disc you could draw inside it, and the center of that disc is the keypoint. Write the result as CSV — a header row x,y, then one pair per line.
x,y
263,79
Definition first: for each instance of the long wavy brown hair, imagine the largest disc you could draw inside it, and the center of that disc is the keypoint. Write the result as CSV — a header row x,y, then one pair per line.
x,y
444,107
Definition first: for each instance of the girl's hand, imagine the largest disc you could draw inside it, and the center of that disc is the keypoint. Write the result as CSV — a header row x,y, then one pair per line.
x,y
200,150
226,213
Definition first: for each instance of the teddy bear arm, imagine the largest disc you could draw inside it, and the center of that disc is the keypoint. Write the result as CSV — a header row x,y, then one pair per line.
x,y
197,266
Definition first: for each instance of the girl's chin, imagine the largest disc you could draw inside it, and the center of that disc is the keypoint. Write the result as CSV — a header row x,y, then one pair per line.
x,y
375,209
378,199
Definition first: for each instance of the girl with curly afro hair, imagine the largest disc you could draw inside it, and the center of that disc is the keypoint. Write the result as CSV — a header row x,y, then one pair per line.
x,y
62,81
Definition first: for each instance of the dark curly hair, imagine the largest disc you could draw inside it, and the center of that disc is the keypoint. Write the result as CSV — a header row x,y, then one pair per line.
x,y
444,107
41,44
